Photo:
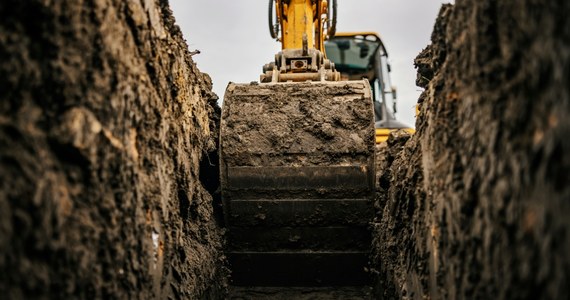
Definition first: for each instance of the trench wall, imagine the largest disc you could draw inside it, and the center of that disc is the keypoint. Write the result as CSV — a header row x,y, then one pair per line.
x,y
104,122
475,204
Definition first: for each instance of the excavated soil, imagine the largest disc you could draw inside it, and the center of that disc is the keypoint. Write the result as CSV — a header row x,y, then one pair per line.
x,y
299,124
104,123
475,204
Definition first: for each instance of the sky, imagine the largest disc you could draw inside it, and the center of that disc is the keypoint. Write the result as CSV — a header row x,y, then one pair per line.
x,y
234,43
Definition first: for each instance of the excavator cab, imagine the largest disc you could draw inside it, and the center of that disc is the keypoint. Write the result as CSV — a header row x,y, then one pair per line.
x,y
362,55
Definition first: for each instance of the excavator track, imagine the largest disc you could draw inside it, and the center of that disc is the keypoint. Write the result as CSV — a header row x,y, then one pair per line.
x,y
297,180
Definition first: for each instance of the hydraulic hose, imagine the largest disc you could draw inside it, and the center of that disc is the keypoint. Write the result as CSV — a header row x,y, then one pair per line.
x,y
273,27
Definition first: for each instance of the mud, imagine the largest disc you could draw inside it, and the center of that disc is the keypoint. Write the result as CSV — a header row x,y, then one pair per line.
x,y
475,204
300,124
104,123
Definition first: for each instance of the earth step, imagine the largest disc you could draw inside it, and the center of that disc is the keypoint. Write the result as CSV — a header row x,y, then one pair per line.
x,y
291,238
305,181
300,293
299,268
300,212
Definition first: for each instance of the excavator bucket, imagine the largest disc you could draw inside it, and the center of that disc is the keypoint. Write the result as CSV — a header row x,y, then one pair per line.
x,y
297,180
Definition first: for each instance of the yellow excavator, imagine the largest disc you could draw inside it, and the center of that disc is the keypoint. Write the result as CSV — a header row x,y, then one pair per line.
x,y
359,55
297,155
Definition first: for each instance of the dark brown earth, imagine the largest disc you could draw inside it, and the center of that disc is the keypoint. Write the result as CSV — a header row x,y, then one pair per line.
x,y
104,122
298,124
300,293
475,204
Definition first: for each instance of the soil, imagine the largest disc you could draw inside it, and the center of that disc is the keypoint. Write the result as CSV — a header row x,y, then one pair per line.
x,y
300,293
104,124
299,124
475,204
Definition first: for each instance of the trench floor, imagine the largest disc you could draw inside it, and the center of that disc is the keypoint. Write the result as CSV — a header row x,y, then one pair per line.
x,y
301,293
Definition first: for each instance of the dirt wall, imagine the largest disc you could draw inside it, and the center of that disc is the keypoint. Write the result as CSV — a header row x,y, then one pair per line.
x,y
475,204
104,122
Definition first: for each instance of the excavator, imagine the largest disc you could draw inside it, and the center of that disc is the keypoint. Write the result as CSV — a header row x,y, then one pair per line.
x,y
297,156
359,55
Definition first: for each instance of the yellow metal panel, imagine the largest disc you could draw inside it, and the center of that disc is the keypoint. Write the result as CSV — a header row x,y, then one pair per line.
x,y
382,134
298,21
381,139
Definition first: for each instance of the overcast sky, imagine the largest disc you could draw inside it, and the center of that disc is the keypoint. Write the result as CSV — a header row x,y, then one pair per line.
x,y
234,41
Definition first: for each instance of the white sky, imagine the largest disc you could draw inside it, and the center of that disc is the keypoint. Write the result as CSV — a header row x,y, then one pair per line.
x,y
234,41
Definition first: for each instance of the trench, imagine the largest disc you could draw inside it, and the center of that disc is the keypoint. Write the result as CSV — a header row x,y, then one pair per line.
x,y
109,179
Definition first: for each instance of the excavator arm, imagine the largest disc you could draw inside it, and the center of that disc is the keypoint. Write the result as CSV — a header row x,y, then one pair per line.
x,y
302,20
303,33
